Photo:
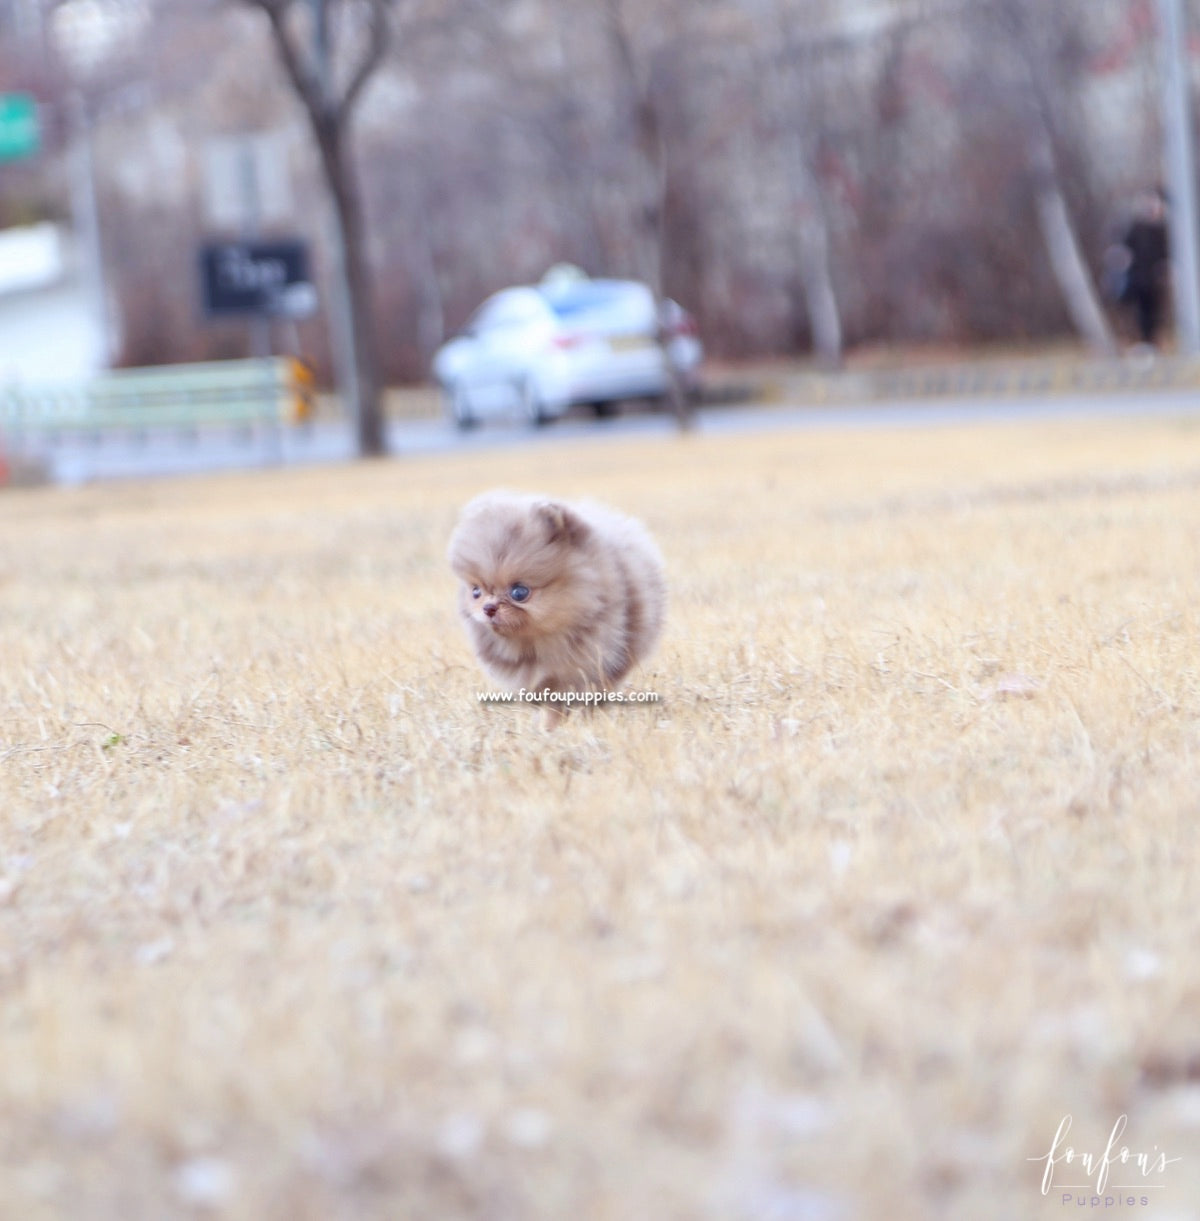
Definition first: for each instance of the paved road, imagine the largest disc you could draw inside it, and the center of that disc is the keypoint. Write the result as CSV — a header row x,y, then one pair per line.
x,y
79,459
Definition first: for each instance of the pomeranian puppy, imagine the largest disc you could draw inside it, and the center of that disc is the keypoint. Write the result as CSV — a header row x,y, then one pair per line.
x,y
564,596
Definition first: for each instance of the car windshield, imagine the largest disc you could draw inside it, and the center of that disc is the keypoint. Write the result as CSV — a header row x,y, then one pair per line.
x,y
514,308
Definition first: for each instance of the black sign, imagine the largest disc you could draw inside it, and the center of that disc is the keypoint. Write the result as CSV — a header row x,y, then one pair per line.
x,y
247,278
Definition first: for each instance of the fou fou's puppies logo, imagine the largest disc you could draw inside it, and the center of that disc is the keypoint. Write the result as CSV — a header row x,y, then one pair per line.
x,y
1140,1171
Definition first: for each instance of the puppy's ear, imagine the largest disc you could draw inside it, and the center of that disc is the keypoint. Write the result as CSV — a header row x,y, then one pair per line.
x,y
563,525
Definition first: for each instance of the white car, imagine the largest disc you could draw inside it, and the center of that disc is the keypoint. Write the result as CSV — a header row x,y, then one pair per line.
x,y
533,352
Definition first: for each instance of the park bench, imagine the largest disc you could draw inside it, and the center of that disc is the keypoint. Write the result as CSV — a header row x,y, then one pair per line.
x,y
230,394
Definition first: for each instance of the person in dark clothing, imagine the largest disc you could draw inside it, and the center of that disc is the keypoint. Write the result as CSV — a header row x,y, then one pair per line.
x,y
1145,256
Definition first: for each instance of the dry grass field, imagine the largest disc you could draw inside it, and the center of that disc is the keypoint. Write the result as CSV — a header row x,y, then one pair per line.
x,y
903,868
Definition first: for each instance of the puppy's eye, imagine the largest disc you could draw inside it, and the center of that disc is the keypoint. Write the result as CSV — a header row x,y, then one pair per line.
x,y
476,592
519,592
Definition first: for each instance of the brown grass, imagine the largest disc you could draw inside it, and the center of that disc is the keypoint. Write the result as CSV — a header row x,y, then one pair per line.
x,y
900,872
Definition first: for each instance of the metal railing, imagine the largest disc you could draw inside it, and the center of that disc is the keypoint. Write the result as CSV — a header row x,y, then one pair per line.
x,y
241,394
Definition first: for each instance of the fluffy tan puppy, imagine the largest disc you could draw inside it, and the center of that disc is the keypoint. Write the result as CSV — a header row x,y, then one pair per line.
x,y
559,596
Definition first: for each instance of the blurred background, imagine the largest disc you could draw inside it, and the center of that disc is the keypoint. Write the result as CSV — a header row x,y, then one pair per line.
x,y
805,176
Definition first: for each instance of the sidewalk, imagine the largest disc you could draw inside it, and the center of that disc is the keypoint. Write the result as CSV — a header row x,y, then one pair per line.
x,y
1041,376
872,376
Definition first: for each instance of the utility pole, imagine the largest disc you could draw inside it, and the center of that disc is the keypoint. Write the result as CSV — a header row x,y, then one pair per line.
x,y
1181,175
87,226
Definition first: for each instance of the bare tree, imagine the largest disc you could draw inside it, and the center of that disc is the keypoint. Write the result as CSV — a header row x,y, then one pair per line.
x,y
638,103
795,107
633,58
329,104
1030,38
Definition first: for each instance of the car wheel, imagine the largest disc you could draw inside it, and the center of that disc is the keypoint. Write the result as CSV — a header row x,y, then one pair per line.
x,y
532,405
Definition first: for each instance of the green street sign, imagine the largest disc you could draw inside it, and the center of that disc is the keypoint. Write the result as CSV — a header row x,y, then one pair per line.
x,y
19,133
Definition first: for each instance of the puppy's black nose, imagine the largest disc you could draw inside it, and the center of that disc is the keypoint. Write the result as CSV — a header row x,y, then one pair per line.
x,y
489,609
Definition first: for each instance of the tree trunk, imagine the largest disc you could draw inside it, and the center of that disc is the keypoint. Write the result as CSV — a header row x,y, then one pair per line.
x,y
1054,217
361,378
650,182
650,163
329,113
431,310
815,273
791,109
652,195
1062,248
1072,275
